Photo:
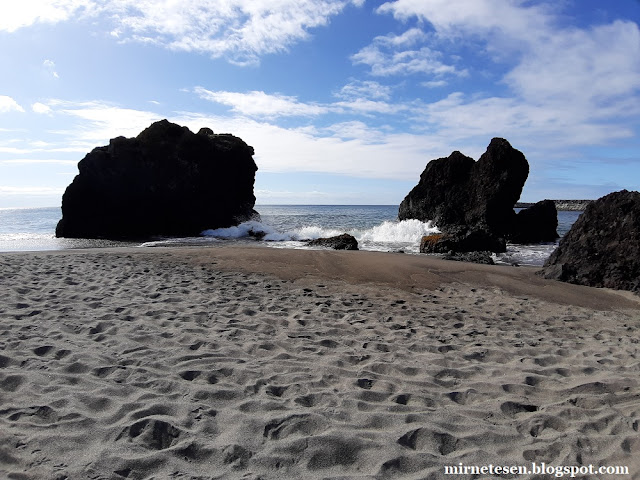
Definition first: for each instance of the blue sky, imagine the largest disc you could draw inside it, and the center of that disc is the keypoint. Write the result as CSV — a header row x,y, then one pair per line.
x,y
344,101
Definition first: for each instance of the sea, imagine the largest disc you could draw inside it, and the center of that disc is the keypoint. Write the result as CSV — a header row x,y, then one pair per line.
x,y
376,228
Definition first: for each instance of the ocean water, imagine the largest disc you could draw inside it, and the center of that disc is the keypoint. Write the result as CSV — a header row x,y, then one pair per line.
x,y
282,226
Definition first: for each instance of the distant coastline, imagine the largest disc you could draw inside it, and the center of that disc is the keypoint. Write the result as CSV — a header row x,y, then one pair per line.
x,y
565,205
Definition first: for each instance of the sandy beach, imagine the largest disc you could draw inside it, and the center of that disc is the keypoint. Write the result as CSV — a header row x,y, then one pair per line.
x,y
265,363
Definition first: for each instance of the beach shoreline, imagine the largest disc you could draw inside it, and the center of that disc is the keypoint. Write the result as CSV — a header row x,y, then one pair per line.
x,y
252,362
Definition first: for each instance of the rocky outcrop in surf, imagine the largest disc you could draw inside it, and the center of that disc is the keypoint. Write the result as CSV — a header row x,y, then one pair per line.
x,y
468,199
167,181
602,249
472,203
339,242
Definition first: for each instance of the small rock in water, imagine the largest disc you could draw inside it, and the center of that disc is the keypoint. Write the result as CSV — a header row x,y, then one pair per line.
x,y
339,242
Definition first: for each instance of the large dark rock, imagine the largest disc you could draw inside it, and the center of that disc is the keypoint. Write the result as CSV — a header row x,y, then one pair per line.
x,y
339,242
538,223
602,249
464,197
167,181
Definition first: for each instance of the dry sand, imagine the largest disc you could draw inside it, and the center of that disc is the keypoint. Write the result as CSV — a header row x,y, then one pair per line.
x,y
248,363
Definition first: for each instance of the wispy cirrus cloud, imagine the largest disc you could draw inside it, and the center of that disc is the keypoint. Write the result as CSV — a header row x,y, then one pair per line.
x,y
100,121
512,19
263,105
16,15
572,86
404,54
240,30
367,89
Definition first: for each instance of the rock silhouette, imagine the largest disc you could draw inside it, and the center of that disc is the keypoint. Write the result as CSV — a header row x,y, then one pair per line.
x,y
167,181
470,199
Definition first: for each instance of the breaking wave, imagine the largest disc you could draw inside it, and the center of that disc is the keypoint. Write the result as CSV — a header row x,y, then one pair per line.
x,y
403,235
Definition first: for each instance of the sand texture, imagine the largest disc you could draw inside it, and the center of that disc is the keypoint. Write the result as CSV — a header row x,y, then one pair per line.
x,y
263,363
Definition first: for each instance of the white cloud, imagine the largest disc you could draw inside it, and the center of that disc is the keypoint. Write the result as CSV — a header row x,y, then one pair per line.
x,y
390,55
264,105
358,89
468,17
572,86
100,122
361,152
241,30
587,68
261,104
366,107
15,15
8,104
462,118
41,108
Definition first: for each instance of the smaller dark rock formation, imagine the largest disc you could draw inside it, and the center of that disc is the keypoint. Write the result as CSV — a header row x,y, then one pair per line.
x,y
602,249
167,181
473,257
462,241
339,242
470,200
536,224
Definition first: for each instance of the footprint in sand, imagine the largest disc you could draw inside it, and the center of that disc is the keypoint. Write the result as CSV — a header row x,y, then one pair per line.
x,y
425,439
151,434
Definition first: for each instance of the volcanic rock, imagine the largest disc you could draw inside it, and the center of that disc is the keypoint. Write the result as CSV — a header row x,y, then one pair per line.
x,y
536,224
466,198
602,249
462,240
339,242
167,181
483,257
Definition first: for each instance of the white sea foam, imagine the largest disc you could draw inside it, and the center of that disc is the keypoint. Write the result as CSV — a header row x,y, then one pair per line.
x,y
243,230
312,232
526,254
406,231
270,234
386,236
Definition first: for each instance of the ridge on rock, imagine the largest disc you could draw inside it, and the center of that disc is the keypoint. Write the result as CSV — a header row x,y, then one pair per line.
x,y
602,248
167,181
464,197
